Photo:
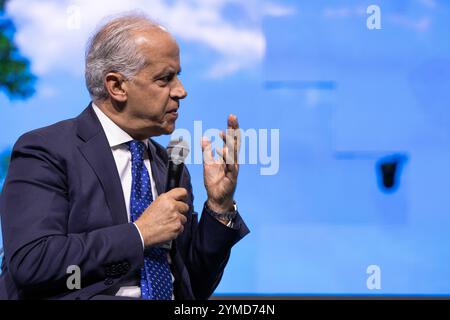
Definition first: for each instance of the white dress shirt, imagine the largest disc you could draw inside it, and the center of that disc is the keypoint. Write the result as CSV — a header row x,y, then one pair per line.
x,y
117,139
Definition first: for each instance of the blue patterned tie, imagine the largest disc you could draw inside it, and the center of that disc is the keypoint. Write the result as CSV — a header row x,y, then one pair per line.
x,y
156,279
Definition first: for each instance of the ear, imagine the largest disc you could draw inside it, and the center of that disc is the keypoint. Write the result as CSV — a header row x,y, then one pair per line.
x,y
115,85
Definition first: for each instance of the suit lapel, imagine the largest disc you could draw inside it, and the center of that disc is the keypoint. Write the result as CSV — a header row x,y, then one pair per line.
x,y
98,154
158,164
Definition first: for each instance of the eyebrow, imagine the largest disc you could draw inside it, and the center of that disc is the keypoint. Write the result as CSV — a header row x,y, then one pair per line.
x,y
167,71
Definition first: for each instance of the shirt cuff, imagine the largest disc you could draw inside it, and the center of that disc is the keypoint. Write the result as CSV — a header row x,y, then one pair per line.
x,y
140,235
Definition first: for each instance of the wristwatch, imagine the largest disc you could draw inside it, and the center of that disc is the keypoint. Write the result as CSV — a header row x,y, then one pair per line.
x,y
224,216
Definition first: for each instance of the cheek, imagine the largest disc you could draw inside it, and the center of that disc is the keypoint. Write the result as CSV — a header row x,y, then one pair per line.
x,y
160,102
153,103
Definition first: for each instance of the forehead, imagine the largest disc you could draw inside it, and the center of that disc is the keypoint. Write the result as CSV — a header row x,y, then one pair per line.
x,y
159,47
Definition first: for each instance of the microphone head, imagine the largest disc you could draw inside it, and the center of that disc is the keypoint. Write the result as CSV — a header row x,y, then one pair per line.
x,y
178,150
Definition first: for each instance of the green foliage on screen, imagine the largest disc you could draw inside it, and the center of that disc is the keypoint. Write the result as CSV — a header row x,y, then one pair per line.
x,y
16,78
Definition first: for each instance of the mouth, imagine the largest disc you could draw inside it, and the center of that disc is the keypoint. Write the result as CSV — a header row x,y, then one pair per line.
x,y
173,114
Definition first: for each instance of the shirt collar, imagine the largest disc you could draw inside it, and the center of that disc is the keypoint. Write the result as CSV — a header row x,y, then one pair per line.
x,y
116,136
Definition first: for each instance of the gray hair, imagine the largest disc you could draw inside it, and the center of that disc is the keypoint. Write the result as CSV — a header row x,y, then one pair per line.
x,y
113,49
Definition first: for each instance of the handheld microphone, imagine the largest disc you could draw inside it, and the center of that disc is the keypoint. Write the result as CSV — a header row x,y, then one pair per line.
x,y
177,150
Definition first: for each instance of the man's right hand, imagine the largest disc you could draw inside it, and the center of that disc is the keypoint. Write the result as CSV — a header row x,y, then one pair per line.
x,y
164,218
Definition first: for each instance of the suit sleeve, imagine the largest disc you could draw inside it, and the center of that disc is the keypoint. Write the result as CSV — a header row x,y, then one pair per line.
x,y
35,207
210,247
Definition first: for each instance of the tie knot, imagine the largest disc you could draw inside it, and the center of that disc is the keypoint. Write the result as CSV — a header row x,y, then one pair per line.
x,y
137,149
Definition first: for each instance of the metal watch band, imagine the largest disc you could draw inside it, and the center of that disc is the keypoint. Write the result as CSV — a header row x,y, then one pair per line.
x,y
230,215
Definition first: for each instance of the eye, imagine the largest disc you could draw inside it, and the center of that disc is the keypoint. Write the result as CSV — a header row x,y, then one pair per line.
x,y
165,79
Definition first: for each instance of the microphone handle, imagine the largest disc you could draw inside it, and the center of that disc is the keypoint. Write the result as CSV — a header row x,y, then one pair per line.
x,y
173,175
173,181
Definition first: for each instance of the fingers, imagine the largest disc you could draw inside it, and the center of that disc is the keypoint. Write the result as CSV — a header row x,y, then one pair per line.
x,y
234,134
232,142
237,143
182,207
229,153
180,197
233,122
179,194
207,151
220,152
182,218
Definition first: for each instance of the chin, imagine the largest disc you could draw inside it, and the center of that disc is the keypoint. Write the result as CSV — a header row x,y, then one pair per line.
x,y
167,129
170,129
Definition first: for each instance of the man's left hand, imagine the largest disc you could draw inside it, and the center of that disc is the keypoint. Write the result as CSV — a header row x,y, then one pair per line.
x,y
220,175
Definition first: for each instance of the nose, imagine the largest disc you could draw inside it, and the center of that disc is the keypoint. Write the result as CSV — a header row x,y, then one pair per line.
x,y
178,92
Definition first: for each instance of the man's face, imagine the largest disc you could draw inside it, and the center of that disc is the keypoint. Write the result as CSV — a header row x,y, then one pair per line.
x,y
153,95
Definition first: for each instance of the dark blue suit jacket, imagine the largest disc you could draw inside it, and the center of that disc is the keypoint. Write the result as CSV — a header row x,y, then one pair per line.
x,y
62,204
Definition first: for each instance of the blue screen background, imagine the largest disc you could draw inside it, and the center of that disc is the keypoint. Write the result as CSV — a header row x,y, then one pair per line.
x,y
345,99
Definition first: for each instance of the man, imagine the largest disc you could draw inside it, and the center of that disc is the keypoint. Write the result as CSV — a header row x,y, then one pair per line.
x,y
88,192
